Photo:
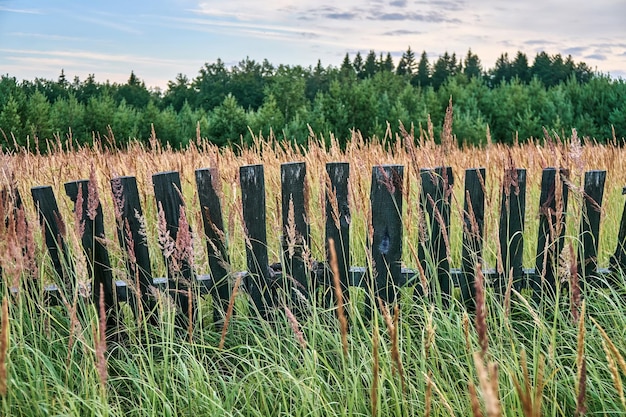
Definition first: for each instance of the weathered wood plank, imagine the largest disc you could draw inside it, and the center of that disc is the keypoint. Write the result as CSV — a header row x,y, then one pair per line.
x,y
131,235
87,207
338,227
296,241
511,229
259,281
433,252
208,186
52,224
551,235
176,251
473,231
590,226
386,241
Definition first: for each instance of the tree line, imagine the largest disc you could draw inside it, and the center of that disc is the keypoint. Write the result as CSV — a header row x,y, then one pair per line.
x,y
515,100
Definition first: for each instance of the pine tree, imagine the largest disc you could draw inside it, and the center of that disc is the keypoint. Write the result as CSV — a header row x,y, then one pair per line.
x,y
11,124
227,122
371,67
357,64
268,117
401,69
38,117
422,77
502,71
472,67
542,68
388,64
346,67
442,70
520,69
409,61
62,80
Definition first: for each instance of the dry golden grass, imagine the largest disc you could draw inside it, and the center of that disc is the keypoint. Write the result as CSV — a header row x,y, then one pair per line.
x,y
486,396
60,165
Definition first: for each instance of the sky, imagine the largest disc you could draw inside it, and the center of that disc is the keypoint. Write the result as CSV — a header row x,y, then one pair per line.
x,y
159,39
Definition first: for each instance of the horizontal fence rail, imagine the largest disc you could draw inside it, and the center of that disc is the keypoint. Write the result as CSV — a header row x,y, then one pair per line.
x,y
297,276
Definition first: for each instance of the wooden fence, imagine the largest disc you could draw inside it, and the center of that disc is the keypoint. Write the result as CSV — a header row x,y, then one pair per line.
x,y
296,278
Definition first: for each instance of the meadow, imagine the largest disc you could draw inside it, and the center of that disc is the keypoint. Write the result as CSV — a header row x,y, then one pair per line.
x,y
558,357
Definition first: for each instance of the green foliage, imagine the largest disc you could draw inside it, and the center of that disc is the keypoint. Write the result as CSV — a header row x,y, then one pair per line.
x,y
288,89
515,99
38,122
178,93
68,115
211,85
422,78
134,93
166,128
471,66
10,122
227,122
126,123
99,114
267,117
286,366
189,121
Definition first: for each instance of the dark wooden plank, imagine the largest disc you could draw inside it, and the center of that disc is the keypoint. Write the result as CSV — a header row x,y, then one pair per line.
x,y
511,229
590,226
338,227
131,235
53,226
473,231
88,210
386,242
551,235
259,281
169,201
433,252
296,239
207,183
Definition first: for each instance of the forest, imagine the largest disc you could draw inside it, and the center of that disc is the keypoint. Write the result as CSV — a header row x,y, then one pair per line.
x,y
511,102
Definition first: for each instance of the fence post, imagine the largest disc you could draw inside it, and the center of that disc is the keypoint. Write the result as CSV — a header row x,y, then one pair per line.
x,y
209,191
551,236
473,229
131,235
338,227
260,282
53,226
178,258
590,226
435,200
92,241
385,243
296,240
511,229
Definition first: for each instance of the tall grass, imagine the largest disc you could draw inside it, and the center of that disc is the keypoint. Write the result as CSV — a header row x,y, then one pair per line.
x,y
534,358
263,369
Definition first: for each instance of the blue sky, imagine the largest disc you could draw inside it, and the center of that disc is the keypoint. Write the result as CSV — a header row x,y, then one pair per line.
x,y
159,39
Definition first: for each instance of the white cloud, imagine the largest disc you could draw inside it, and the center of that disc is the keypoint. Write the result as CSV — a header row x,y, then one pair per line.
x,y
90,56
107,22
48,36
21,11
303,31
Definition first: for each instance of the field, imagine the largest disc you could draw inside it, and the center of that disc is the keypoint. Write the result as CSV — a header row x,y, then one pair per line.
x,y
561,357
